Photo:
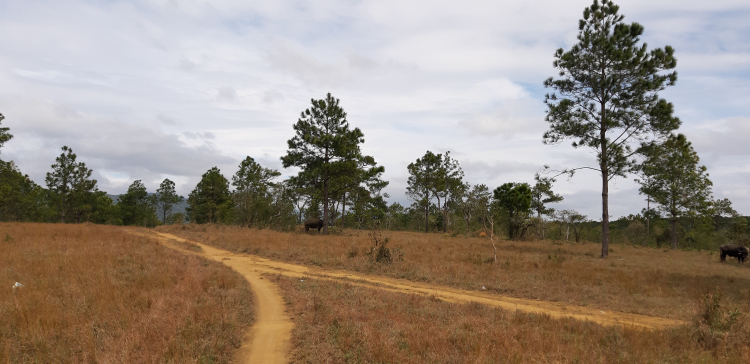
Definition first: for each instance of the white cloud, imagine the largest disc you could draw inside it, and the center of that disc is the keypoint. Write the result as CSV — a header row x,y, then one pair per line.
x,y
134,87
227,94
113,148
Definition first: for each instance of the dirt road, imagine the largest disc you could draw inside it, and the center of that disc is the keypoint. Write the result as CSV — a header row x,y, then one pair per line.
x,y
257,265
268,339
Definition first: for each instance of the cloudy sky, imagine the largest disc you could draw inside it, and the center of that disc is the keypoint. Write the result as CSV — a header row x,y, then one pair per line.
x,y
154,89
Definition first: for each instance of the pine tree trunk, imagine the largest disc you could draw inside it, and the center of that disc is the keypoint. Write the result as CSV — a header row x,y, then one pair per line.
x,y
648,217
440,210
445,216
674,233
605,215
62,211
325,204
343,210
427,216
605,186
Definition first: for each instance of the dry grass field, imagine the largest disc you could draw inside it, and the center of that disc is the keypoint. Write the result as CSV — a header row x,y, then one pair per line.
x,y
94,293
645,281
341,323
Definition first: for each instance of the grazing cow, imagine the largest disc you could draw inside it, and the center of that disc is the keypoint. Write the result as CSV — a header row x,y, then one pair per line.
x,y
740,252
313,223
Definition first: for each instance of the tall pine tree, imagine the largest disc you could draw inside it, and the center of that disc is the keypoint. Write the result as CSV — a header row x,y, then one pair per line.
x,y
607,98
677,183
252,193
325,149
70,185
423,180
166,197
210,201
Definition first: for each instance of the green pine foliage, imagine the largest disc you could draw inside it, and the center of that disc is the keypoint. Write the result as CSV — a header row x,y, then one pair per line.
x,y
606,97
210,201
253,197
327,150
514,201
678,185
166,197
434,176
20,198
5,134
71,189
137,207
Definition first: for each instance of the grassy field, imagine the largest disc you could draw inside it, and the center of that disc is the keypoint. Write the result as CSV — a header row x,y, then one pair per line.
x,y
96,294
342,323
663,283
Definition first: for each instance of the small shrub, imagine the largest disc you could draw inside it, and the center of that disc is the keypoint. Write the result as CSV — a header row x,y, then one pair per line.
x,y
716,325
383,254
380,252
353,252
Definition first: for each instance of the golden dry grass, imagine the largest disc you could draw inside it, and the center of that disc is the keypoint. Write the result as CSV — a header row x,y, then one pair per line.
x,y
340,323
97,294
645,281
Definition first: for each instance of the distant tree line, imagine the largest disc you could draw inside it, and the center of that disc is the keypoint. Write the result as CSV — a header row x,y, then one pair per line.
x,y
605,99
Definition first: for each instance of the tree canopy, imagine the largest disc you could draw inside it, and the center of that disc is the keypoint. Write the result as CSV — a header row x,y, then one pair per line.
x,y
137,207
210,201
515,200
252,184
542,194
70,186
607,95
325,149
423,181
677,183
5,134
166,197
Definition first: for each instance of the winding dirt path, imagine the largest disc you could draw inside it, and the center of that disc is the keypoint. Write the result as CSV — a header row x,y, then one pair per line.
x,y
255,266
267,341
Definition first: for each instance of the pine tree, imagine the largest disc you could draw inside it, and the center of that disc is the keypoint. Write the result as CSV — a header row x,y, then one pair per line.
x,y
137,207
325,149
252,184
423,180
607,95
515,200
542,194
70,186
5,134
210,201
678,184
166,197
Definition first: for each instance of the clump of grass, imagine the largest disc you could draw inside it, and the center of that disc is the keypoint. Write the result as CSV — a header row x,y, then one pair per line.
x,y
336,323
380,253
94,293
635,280
717,327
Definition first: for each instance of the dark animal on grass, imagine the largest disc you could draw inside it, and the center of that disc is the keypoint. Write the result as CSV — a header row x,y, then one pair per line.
x,y
739,252
313,223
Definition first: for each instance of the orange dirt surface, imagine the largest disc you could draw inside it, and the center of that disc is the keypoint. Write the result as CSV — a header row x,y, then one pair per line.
x,y
256,266
268,339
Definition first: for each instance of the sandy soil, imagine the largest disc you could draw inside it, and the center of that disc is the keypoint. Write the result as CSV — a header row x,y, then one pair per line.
x,y
268,339
258,265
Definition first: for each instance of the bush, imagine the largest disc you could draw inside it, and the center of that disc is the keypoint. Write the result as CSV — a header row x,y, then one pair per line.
x,y
716,326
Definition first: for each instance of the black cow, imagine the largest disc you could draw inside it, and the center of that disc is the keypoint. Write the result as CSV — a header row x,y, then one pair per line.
x,y
313,223
740,252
